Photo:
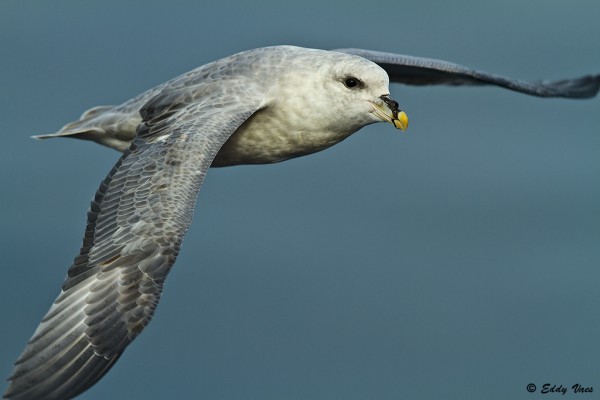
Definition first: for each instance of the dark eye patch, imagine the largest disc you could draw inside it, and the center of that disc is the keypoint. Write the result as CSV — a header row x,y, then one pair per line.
x,y
351,82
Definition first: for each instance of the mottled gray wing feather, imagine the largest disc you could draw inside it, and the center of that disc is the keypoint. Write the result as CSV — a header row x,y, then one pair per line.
x,y
134,231
427,71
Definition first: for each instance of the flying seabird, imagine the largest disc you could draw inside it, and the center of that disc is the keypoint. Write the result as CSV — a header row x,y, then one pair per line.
x,y
260,106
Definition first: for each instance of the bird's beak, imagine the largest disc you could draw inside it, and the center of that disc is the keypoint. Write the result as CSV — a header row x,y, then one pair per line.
x,y
388,111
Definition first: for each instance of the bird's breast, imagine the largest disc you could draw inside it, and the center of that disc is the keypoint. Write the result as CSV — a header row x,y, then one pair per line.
x,y
270,137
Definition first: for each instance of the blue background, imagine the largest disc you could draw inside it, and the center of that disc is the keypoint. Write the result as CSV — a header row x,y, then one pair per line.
x,y
459,260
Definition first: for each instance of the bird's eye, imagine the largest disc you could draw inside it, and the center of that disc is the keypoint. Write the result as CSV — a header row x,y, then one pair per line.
x,y
352,82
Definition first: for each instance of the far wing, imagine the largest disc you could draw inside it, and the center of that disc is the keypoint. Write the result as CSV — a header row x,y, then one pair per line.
x,y
135,226
428,71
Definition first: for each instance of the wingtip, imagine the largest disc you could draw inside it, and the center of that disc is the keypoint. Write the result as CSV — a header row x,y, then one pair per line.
x,y
585,87
595,87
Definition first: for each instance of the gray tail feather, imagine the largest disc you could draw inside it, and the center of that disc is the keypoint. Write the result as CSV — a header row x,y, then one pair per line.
x,y
89,114
78,129
96,127
82,133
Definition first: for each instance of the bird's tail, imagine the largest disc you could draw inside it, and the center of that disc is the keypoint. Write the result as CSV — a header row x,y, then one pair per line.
x,y
101,124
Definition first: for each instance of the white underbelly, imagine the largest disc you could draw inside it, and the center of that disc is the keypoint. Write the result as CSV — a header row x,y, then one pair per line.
x,y
264,139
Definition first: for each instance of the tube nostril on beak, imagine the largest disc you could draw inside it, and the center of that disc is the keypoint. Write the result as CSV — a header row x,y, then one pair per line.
x,y
391,103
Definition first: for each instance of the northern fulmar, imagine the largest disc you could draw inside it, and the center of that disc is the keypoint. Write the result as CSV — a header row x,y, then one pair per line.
x,y
260,106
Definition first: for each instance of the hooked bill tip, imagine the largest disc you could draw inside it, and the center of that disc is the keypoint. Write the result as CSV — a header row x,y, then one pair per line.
x,y
401,121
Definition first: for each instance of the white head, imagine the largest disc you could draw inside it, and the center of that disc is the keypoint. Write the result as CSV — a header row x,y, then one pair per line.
x,y
362,88
336,93
313,100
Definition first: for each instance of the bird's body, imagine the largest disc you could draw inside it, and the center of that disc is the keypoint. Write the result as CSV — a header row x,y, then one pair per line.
x,y
260,106
288,126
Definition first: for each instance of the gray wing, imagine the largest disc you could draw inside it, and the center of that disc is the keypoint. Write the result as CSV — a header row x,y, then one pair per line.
x,y
427,71
134,231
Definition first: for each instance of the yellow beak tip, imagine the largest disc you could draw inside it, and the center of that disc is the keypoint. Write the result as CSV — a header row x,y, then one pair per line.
x,y
402,121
